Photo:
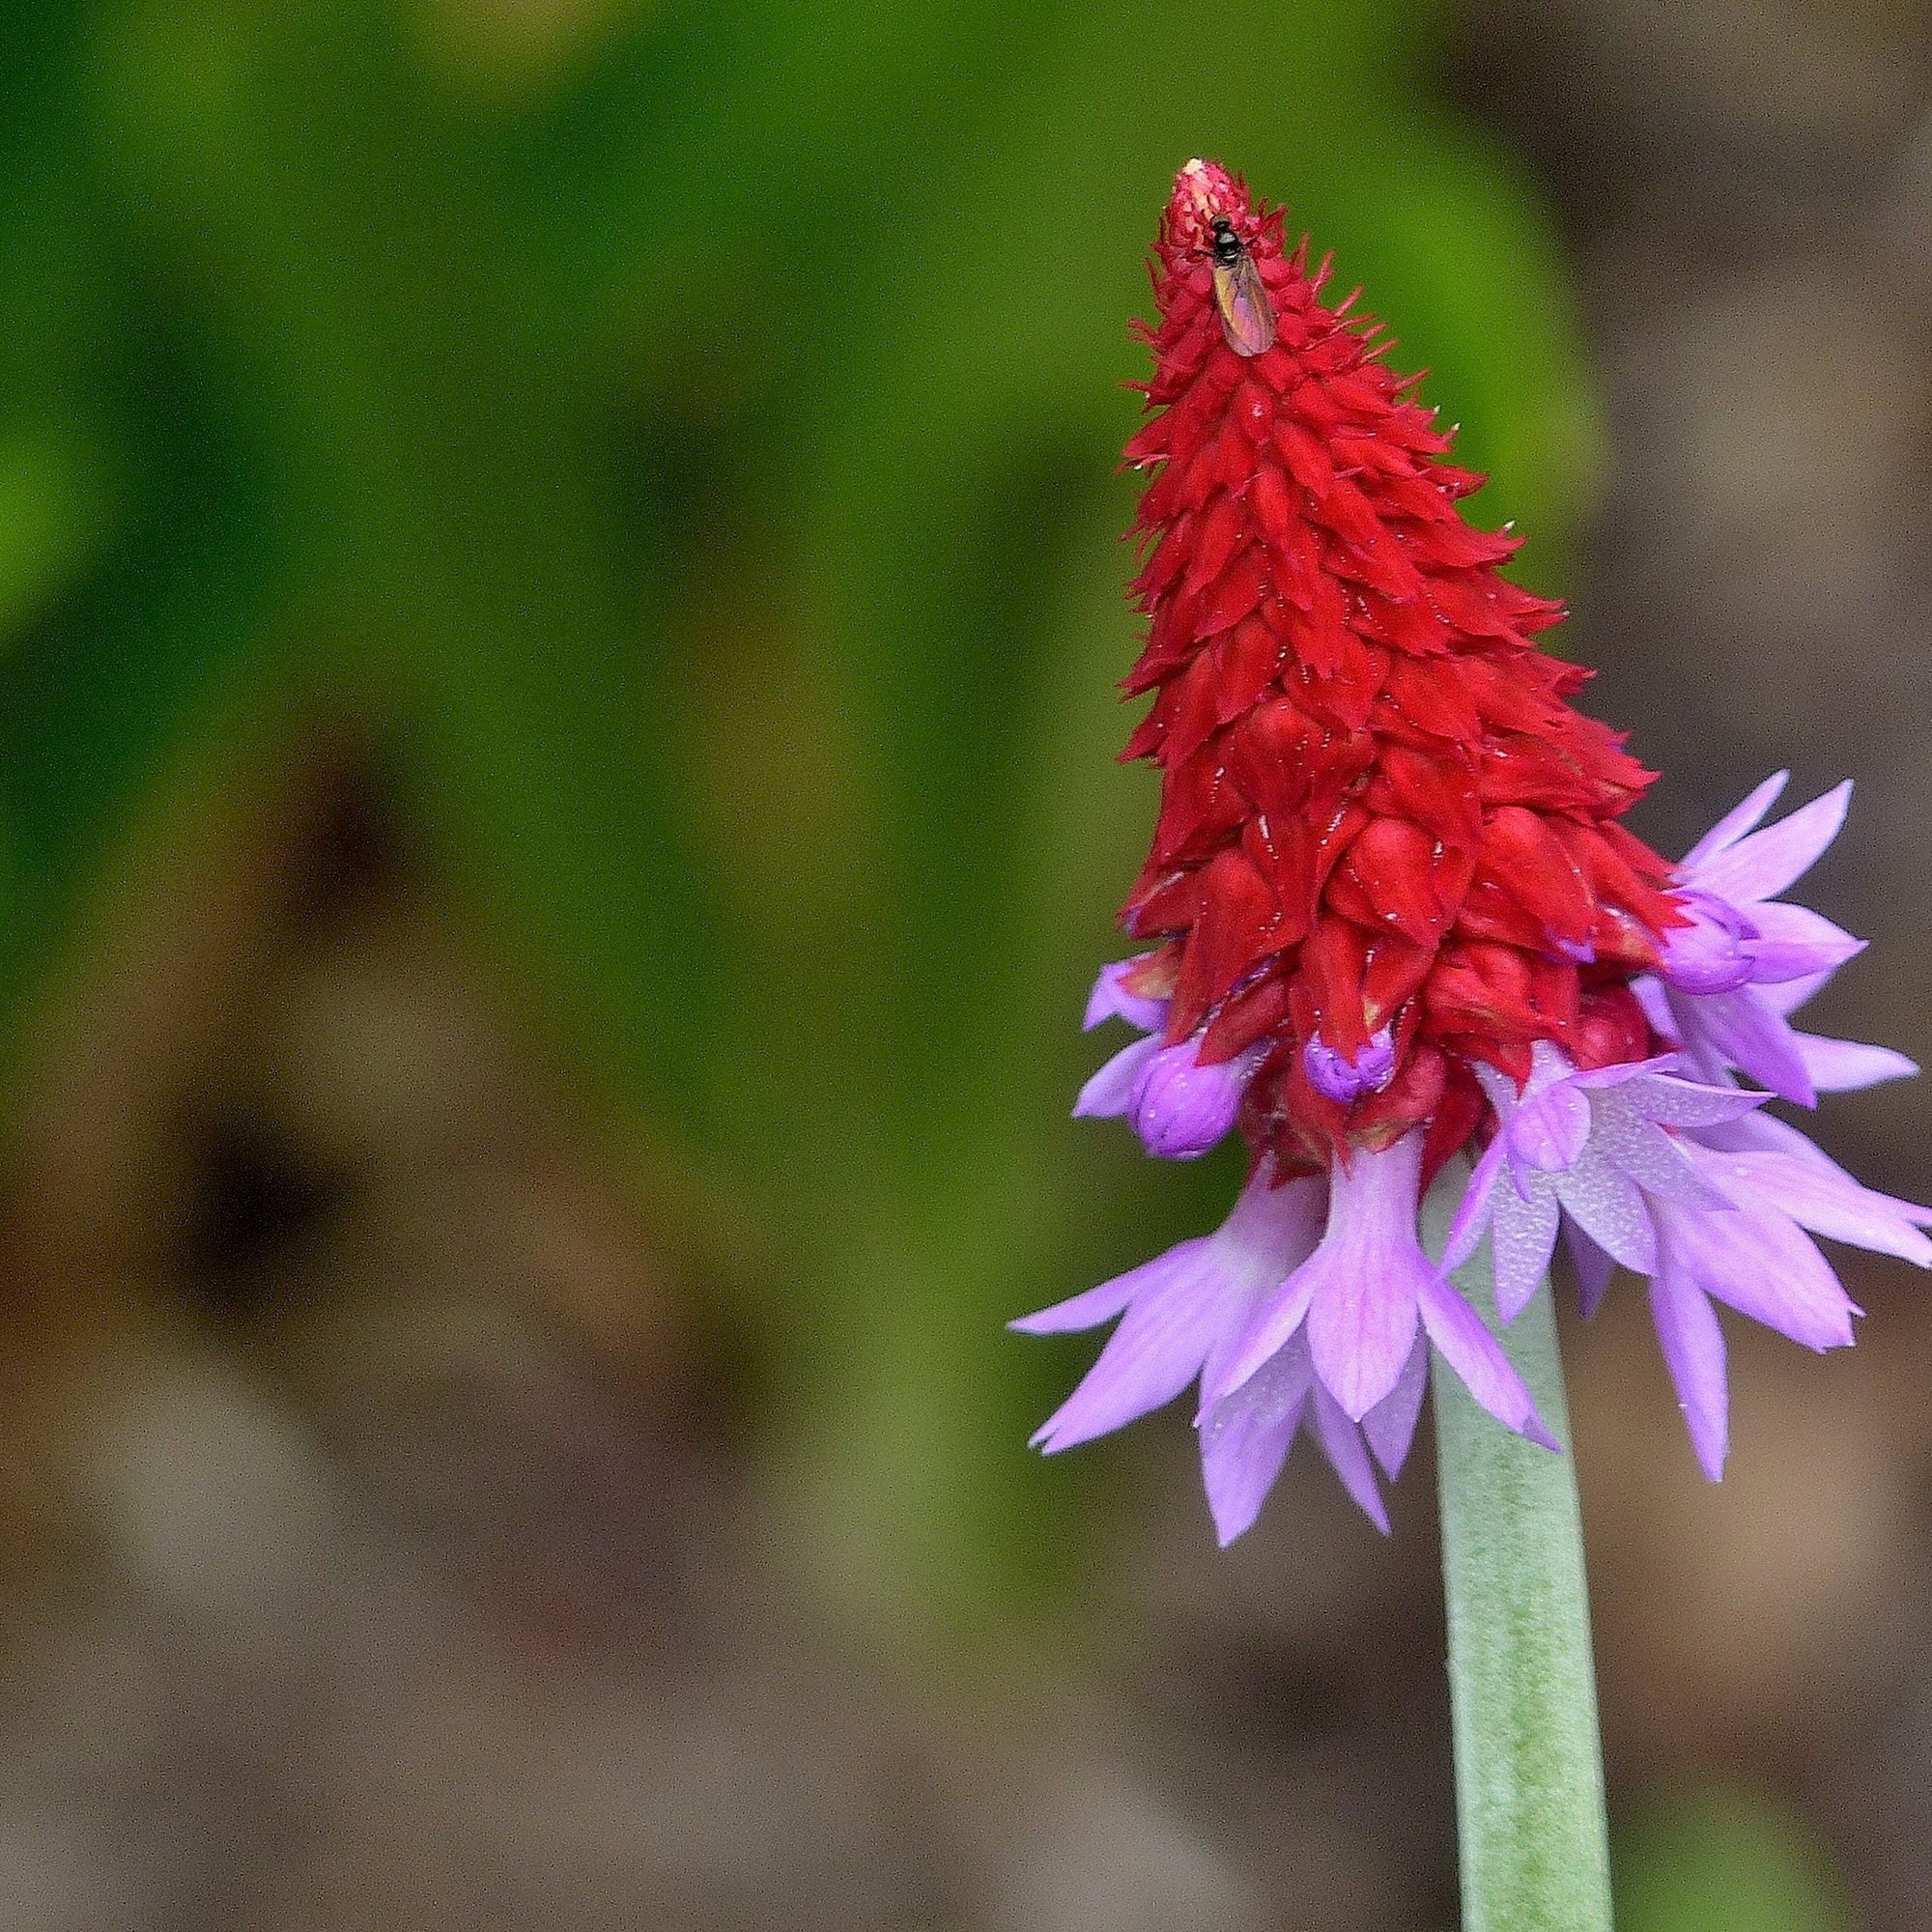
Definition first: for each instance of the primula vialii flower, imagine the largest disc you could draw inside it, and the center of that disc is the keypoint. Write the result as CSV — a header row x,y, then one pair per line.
x,y
1392,913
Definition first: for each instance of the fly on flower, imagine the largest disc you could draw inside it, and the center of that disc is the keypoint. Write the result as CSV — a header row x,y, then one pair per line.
x,y
1393,922
1247,316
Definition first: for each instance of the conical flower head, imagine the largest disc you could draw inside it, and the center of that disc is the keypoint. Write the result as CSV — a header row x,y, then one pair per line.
x,y
1390,907
1388,848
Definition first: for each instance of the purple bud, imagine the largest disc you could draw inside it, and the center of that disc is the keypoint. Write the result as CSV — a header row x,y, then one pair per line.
x,y
1180,1108
1708,956
1344,1080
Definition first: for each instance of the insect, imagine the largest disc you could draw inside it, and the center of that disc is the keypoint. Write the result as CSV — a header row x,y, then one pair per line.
x,y
1247,316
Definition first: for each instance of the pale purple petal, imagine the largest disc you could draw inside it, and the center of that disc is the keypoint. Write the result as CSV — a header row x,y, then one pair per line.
x,y
1548,1130
1694,1351
1158,1349
1762,865
1594,1267
1363,1272
1278,1227
1111,1091
1270,1327
1361,1325
1708,954
1846,1066
1767,1133
1366,1275
1472,1212
1600,1078
1109,999
1610,1209
1181,1308
1763,1266
1641,1151
1795,943
1735,823
1101,1304
1648,990
1686,1103
1342,1443
1828,1202
1245,1439
1785,996
1521,1239
1390,1426
1739,1029
1477,1357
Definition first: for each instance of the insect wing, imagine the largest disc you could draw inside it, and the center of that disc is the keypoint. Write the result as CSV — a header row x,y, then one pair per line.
x,y
1247,316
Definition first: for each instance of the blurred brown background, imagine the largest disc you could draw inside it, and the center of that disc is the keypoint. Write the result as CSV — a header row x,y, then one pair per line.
x,y
417,1507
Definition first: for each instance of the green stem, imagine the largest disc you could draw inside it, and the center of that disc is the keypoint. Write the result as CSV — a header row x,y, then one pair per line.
x,y
1529,1772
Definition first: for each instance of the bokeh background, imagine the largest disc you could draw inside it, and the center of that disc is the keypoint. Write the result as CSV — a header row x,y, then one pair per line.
x,y
559,608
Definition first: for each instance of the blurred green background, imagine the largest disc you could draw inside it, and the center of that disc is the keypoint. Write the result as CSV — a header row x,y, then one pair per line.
x,y
672,447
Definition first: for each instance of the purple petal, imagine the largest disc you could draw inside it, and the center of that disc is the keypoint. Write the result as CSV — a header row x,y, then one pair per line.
x,y
1735,823
1181,1309
1101,1304
1764,863
1760,1264
1708,954
1111,1091
1477,1357
1361,1325
1785,996
1472,1212
1548,1130
1158,1349
1795,943
1521,1239
1342,1443
1109,999
1390,1426
1594,1267
1367,1273
1357,1290
1641,1150
1694,1351
1767,1130
1845,1066
1823,1199
1650,995
1741,1030
1602,1078
1274,1230
1245,1439
1609,1208
1344,1080
1684,1103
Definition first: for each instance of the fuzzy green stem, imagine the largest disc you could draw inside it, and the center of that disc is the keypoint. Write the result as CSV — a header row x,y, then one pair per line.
x,y
1529,1773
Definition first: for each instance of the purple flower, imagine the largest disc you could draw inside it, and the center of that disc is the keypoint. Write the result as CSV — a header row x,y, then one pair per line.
x,y
1360,1296
1729,978
1595,1145
1180,1315
1179,1106
1685,1183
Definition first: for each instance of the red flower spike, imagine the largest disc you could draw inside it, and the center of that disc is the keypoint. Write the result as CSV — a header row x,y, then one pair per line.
x,y
1380,816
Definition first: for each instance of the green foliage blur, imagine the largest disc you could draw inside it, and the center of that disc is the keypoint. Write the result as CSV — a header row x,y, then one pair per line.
x,y
682,435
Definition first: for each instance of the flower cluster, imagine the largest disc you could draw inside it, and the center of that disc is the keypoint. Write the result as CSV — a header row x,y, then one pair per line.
x,y
1391,914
